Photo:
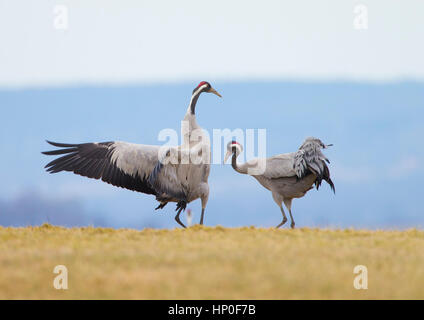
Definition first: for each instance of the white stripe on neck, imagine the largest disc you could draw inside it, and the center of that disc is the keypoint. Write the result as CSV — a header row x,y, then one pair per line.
x,y
198,90
195,94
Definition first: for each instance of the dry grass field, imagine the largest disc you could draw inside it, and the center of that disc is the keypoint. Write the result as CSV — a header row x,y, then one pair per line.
x,y
210,263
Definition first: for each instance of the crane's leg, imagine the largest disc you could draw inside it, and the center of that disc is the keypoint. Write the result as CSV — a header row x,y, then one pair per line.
x,y
284,218
180,207
177,218
204,199
292,220
278,200
288,203
201,217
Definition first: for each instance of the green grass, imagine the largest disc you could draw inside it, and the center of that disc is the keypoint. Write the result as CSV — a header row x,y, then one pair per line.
x,y
210,263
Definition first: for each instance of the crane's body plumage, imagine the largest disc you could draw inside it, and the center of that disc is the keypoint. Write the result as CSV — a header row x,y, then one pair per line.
x,y
138,167
288,175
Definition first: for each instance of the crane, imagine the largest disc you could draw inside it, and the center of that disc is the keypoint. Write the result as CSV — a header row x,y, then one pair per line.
x,y
143,168
288,175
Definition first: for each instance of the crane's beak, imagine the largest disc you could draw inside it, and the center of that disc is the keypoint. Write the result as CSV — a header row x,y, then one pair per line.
x,y
228,154
212,90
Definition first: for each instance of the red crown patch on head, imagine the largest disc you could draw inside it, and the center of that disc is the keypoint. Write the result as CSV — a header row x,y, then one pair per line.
x,y
201,84
235,142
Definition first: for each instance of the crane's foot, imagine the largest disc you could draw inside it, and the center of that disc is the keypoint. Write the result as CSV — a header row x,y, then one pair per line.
x,y
161,205
282,222
292,225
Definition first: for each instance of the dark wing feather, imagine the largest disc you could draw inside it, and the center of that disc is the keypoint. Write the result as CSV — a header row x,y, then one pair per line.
x,y
95,160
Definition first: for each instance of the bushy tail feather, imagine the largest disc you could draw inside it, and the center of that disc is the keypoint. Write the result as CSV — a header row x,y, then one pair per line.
x,y
326,178
309,158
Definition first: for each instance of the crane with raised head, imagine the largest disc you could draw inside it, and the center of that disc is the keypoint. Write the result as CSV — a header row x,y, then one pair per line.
x,y
288,175
142,168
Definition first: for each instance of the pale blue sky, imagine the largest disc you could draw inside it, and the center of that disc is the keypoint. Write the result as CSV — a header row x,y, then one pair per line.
x,y
169,41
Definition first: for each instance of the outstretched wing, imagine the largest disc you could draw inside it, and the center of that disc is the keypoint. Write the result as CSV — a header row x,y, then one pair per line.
x,y
121,164
309,158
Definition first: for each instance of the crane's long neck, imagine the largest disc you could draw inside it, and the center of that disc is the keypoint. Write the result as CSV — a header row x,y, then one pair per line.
x,y
193,102
235,165
191,110
189,123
